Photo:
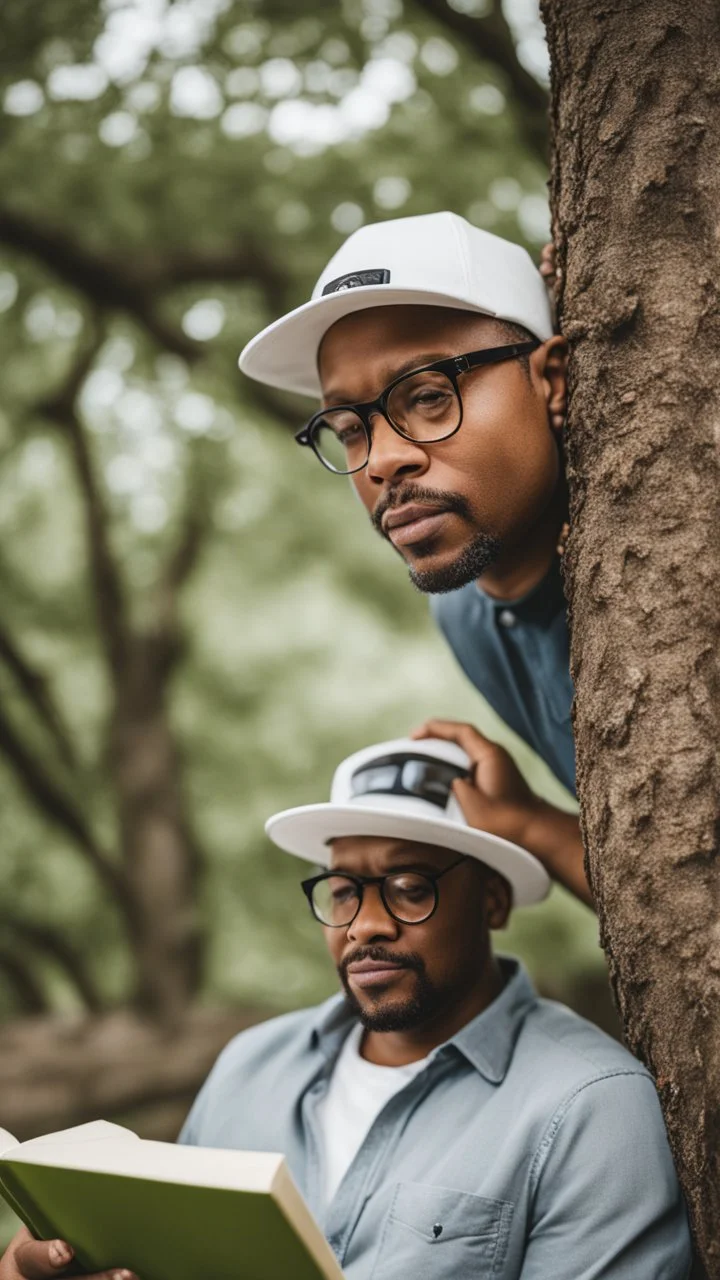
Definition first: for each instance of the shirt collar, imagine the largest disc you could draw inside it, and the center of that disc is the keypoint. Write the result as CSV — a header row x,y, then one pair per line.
x,y
540,604
332,1021
488,1042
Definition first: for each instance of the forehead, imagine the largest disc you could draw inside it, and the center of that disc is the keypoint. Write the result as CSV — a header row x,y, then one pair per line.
x,y
382,338
373,855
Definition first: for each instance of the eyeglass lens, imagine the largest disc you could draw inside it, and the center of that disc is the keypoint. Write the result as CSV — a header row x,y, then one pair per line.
x,y
424,407
409,896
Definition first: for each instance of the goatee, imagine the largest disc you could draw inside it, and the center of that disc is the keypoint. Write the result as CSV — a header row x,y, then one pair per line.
x,y
399,1015
476,557
470,564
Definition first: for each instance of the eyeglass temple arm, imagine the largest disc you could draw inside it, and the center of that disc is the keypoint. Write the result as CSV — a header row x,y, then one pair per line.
x,y
493,355
435,875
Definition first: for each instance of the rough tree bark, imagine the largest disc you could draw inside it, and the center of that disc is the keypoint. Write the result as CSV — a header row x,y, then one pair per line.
x,y
636,206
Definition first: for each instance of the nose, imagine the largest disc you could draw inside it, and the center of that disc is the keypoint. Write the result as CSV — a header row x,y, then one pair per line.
x,y
372,920
392,457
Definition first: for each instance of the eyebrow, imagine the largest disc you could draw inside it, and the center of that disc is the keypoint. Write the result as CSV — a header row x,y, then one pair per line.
x,y
334,397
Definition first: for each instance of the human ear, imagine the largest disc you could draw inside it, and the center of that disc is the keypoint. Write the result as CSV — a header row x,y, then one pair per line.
x,y
550,361
498,901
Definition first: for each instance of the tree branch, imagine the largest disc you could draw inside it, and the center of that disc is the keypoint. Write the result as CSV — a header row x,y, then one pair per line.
x,y
134,286
163,642
109,593
54,804
106,284
491,39
35,687
28,990
161,646
187,550
51,943
248,262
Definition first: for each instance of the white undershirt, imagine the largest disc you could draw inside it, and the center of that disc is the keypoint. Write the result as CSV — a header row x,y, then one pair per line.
x,y
357,1092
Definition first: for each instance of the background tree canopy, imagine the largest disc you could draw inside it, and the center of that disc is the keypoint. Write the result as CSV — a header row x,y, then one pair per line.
x,y
196,621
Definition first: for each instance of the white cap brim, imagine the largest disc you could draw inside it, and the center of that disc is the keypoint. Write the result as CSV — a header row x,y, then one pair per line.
x,y
306,830
285,354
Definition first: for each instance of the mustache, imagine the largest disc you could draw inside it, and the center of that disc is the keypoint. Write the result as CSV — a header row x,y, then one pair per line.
x,y
416,493
410,959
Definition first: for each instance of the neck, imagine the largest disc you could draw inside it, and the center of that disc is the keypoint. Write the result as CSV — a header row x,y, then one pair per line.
x,y
522,566
398,1048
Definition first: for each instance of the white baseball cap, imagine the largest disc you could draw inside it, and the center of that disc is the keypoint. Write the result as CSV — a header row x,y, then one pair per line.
x,y
403,790
435,259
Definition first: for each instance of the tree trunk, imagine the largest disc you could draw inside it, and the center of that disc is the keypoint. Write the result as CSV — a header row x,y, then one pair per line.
x,y
161,862
636,206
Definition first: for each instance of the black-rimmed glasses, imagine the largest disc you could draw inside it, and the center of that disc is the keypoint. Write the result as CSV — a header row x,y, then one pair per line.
x,y
424,405
410,897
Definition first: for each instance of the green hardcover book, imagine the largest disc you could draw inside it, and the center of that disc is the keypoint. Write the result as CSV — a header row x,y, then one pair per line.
x,y
166,1212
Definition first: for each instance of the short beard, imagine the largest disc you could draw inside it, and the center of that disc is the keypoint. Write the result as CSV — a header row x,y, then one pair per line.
x,y
403,1016
480,553
474,560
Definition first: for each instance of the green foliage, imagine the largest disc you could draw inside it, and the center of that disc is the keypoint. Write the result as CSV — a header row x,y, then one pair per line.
x,y
207,157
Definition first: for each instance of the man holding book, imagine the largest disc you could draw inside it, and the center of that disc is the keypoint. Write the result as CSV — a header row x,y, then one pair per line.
x,y
440,1119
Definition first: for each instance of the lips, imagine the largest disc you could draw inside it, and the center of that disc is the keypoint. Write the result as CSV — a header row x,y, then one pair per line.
x,y
413,523
409,514
367,973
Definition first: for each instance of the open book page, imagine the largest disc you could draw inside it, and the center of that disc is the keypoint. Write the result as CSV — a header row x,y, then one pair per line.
x,y
156,1161
94,1131
7,1141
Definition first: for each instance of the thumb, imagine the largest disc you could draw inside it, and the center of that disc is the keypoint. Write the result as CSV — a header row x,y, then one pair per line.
x,y
38,1259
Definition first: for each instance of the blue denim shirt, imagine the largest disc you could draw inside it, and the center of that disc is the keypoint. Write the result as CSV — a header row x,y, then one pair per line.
x,y
516,653
531,1138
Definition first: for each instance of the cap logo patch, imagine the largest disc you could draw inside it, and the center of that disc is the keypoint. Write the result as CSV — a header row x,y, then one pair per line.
x,y
356,279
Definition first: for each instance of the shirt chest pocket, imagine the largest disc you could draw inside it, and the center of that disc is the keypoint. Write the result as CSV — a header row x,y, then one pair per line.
x,y
436,1233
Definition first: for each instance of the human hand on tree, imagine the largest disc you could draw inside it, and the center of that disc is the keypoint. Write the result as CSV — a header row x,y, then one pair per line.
x,y
498,799
552,275
29,1259
549,269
